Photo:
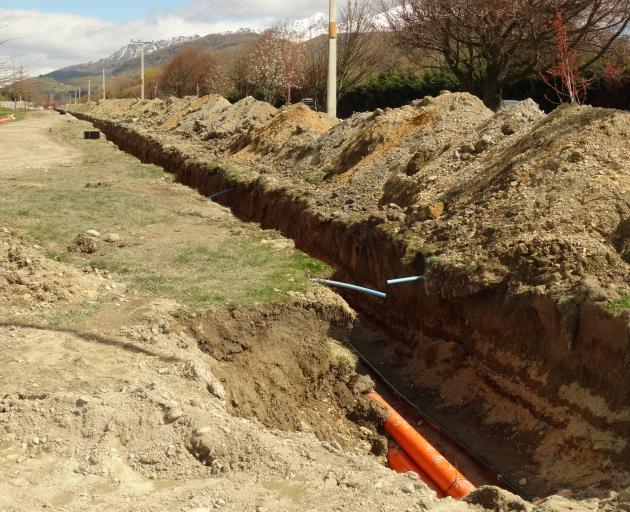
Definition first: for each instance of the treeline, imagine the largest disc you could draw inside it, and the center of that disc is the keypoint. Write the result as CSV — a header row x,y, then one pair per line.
x,y
570,51
394,89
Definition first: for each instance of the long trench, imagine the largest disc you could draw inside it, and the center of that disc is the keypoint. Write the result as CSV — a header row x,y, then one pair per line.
x,y
533,328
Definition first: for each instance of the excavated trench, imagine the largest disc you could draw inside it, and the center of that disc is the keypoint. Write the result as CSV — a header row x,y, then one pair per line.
x,y
540,389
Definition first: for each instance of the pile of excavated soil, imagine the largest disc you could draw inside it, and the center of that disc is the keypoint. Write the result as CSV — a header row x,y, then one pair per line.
x,y
187,122
287,137
536,201
29,280
235,119
279,366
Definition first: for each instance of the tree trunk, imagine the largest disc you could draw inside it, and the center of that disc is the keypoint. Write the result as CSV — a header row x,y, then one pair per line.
x,y
493,85
493,93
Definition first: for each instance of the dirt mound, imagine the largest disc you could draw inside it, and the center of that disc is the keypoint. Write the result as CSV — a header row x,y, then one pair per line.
x,y
84,244
187,122
235,119
544,206
357,156
29,280
429,172
291,133
279,365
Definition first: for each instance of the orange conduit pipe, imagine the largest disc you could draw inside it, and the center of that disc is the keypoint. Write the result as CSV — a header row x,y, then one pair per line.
x,y
400,462
450,481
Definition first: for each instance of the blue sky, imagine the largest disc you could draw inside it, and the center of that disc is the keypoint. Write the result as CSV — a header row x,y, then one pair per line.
x,y
110,10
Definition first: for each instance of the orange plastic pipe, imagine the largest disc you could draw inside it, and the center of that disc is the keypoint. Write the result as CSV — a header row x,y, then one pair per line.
x,y
400,462
450,481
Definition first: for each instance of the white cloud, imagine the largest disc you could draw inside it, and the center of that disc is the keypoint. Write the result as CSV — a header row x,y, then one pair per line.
x,y
44,41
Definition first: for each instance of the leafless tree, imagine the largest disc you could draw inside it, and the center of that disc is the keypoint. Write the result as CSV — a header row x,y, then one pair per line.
x,y
277,62
362,50
488,43
18,88
7,71
189,72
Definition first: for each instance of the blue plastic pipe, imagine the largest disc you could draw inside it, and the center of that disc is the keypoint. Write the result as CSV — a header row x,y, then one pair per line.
x,y
405,279
219,193
351,287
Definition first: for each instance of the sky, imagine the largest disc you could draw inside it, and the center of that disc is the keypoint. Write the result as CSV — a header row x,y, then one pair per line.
x,y
48,35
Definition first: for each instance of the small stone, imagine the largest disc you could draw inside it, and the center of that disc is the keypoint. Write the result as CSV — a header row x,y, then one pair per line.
x,y
330,481
112,238
173,413
93,233
219,502
522,481
435,210
507,129
199,431
82,401
149,459
432,178
408,488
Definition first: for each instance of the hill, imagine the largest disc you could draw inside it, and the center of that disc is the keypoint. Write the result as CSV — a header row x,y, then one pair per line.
x,y
127,58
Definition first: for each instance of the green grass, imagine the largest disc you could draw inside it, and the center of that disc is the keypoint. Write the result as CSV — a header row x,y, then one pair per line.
x,y
19,114
65,315
194,260
239,270
60,210
619,305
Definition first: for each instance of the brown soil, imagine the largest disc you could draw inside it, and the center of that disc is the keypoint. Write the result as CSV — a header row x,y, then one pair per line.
x,y
278,365
517,220
29,281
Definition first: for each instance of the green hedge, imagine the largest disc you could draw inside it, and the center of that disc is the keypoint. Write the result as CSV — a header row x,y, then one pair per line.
x,y
394,89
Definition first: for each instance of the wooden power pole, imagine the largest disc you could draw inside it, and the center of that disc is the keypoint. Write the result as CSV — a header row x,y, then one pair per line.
x,y
331,83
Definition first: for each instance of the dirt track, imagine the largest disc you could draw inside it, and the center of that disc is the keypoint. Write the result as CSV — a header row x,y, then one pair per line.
x,y
25,145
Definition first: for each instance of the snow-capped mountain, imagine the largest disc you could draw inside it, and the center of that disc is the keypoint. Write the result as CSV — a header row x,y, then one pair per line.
x,y
132,50
311,27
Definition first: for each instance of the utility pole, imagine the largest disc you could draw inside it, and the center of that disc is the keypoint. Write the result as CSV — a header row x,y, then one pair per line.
x,y
142,44
79,93
89,91
103,83
331,83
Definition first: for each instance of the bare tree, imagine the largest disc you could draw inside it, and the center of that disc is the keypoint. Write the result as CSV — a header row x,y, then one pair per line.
x,y
189,72
362,50
19,87
277,62
488,43
7,71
